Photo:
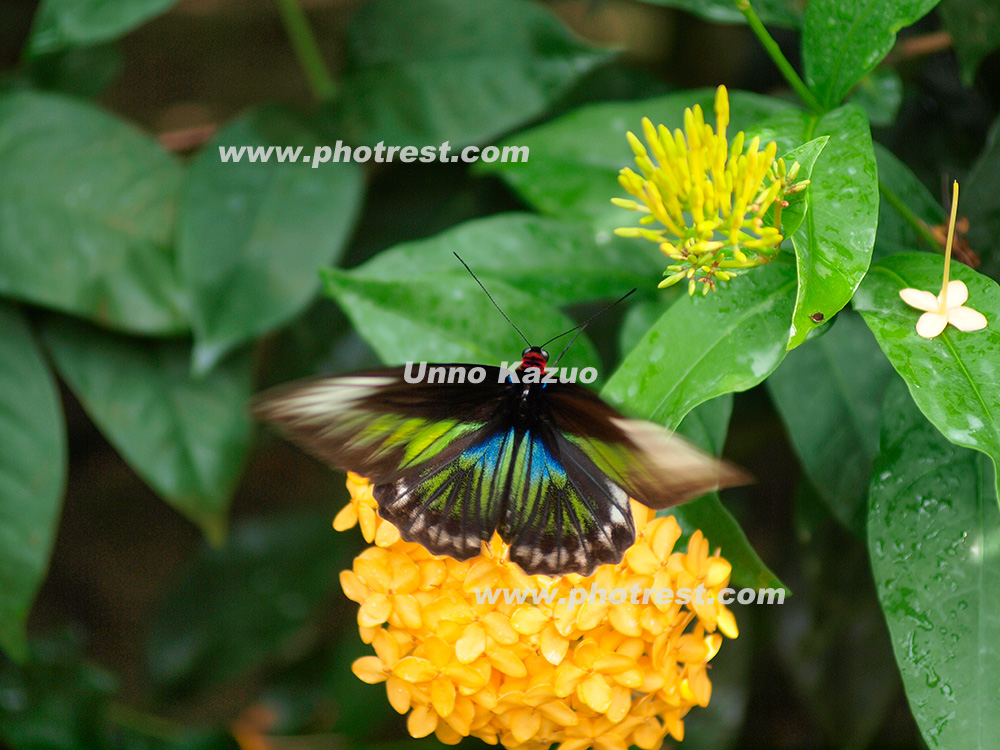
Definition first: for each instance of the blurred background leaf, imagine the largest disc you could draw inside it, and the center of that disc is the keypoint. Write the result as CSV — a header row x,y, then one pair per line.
x,y
32,474
251,235
474,72
187,437
93,237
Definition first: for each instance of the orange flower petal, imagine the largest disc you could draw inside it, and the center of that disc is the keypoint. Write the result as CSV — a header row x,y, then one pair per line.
x,y
472,644
595,692
415,669
374,611
443,696
421,722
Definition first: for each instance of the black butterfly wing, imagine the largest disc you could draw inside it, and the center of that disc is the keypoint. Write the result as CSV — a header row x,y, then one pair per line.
x,y
562,513
551,468
431,450
654,466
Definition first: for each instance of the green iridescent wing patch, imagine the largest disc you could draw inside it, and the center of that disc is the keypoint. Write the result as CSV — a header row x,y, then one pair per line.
x,y
550,467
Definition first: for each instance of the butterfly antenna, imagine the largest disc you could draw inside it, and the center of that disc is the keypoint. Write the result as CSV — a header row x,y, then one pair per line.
x,y
481,286
579,328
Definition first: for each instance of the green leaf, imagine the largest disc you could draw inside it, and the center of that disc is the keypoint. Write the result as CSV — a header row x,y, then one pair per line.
x,y
834,243
93,237
798,203
556,260
879,94
80,72
55,700
829,393
831,638
575,159
842,40
187,438
933,530
704,347
427,71
722,530
952,377
252,235
895,233
439,318
974,26
66,24
776,12
239,605
32,474
980,202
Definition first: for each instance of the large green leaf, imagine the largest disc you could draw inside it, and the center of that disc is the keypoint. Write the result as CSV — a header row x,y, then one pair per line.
x,y
704,347
879,94
186,437
425,317
831,638
706,426
933,533
32,474
900,186
575,160
67,24
974,26
980,202
834,243
86,214
251,236
55,700
427,71
829,393
558,260
842,40
777,12
240,604
952,378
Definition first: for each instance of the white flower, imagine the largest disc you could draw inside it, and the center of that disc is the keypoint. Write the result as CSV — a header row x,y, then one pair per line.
x,y
947,307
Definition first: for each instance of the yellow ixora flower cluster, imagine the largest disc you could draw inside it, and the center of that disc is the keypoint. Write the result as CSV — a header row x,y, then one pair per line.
x,y
529,675
710,198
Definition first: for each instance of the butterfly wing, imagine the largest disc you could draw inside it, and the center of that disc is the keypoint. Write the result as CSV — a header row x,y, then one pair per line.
x,y
430,449
562,514
655,467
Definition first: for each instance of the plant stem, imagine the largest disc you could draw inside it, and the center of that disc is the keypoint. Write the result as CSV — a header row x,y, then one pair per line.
x,y
774,51
324,88
908,216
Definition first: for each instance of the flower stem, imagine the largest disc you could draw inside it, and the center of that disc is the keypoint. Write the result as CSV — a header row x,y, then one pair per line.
x,y
324,88
919,226
947,247
774,51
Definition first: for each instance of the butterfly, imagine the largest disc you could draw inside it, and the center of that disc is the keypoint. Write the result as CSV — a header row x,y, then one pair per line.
x,y
548,465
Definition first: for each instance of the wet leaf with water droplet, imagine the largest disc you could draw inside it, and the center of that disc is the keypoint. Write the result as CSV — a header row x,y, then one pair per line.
x,y
954,378
934,538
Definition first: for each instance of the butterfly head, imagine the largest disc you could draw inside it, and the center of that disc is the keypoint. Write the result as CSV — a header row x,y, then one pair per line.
x,y
534,356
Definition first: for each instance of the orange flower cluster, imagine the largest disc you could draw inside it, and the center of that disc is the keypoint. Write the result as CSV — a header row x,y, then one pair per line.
x,y
529,675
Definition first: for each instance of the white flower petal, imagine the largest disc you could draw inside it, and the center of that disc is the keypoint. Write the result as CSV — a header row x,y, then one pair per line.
x,y
965,318
931,324
920,299
958,293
